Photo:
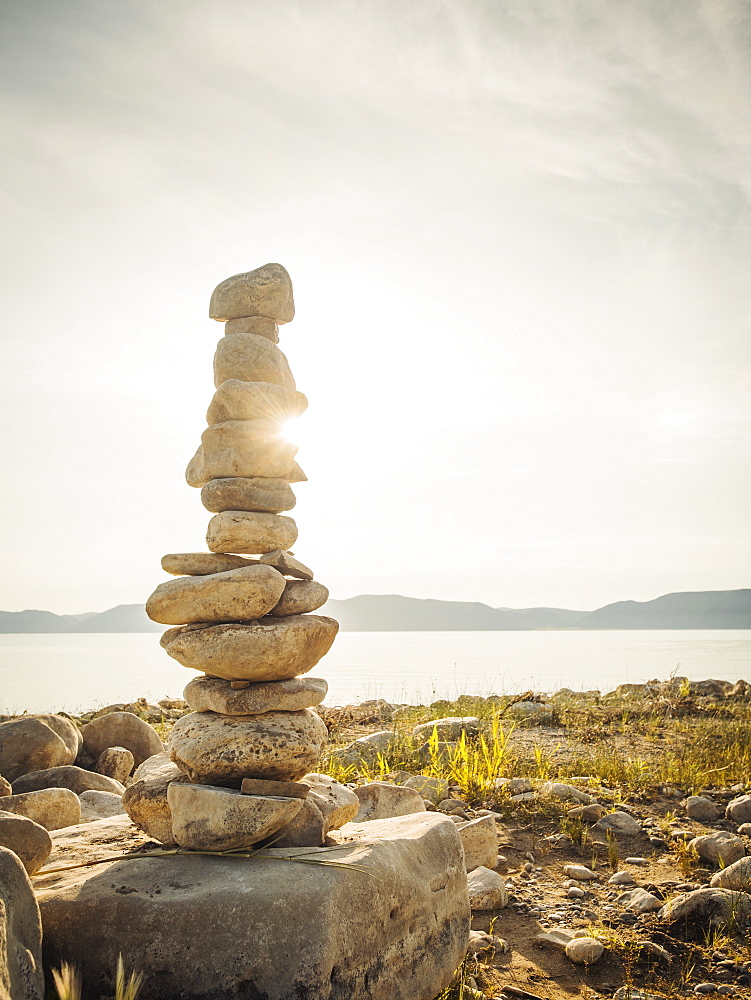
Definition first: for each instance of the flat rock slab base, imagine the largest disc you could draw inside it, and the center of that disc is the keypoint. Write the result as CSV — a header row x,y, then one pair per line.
x,y
234,929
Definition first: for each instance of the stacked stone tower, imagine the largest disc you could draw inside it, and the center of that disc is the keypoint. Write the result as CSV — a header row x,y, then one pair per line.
x,y
242,609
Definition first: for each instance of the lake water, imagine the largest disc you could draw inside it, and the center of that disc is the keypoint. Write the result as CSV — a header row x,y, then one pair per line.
x,y
44,673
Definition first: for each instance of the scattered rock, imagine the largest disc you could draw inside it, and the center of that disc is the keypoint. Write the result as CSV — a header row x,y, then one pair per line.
x,y
557,939
560,790
51,808
486,945
619,823
480,843
448,728
100,805
486,890
735,876
622,878
207,818
274,649
28,744
121,729
380,800
68,776
115,762
584,951
721,847
27,839
214,694
145,801
337,803
531,711
433,789
638,901
580,873
713,907
215,749
21,974
590,814
738,810
701,809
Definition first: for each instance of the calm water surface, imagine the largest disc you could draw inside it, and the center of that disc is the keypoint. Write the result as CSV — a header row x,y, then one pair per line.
x,y
44,673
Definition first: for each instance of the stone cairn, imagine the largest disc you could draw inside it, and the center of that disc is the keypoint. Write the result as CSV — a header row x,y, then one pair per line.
x,y
245,623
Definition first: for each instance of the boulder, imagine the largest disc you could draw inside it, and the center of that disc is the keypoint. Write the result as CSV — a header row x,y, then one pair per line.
x,y
27,839
590,814
736,876
274,649
21,974
236,595
701,809
430,788
560,790
214,694
250,532
51,808
739,809
261,325
337,803
449,728
207,818
203,563
367,749
380,800
584,951
145,801
250,358
115,762
266,291
721,848
300,597
487,890
257,494
480,843
638,900
307,829
240,448
580,872
698,911
286,563
121,729
28,744
618,823
100,805
68,732
215,749
393,924
67,776
238,400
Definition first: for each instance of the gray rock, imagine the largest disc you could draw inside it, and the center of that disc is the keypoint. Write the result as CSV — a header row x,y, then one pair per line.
x,y
719,848
738,810
276,929
736,876
100,805
27,839
28,744
207,818
236,595
638,901
380,800
714,907
266,291
448,728
487,890
67,776
700,808
622,878
250,358
300,597
145,800
433,789
584,951
121,729
215,749
367,749
531,711
580,872
51,808
237,493
620,823
274,649
21,975
214,694
561,790
557,939
115,762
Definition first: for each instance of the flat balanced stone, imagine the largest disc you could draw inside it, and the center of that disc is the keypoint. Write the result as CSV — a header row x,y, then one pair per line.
x,y
214,694
286,563
208,818
249,532
238,493
250,358
203,563
287,789
238,400
245,448
266,291
275,649
215,749
299,597
261,325
145,799
237,595
227,928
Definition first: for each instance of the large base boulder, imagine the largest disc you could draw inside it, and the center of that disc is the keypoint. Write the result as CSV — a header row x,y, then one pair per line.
x,y
394,926
21,976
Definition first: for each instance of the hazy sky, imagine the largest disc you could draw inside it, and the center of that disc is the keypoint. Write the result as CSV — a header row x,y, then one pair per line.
x,y
519,236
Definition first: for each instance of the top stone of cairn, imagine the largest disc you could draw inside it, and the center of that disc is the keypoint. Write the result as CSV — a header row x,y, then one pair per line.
x,y
267,291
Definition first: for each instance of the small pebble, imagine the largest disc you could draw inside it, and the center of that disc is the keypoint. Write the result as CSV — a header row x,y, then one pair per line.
x,y
635,861
705,988
575,893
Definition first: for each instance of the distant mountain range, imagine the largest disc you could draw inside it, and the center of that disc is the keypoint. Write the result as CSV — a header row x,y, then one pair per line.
x,y
392,613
